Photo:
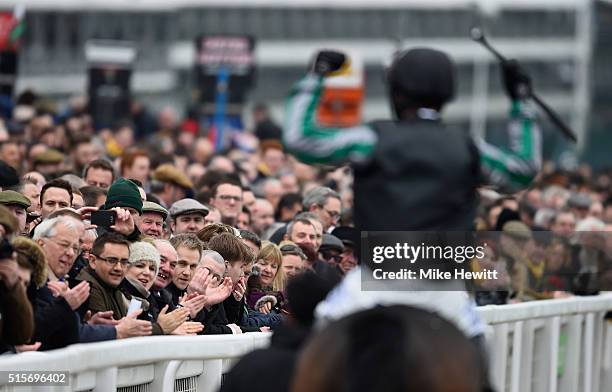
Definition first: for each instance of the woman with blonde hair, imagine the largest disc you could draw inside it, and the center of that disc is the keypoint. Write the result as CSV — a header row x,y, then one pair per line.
x,y
267,282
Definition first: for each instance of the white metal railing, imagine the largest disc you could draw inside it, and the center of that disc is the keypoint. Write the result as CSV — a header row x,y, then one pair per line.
x,y
556,345
160,363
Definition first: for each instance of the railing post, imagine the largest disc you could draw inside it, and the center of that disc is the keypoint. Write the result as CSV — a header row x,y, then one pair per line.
x,y
165,374
589,337
106,380
520,346
210,379
498,356
606,367
553,328
599,347
571,370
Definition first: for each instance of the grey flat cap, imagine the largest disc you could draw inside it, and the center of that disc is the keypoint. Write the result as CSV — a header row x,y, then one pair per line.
x,y
187,206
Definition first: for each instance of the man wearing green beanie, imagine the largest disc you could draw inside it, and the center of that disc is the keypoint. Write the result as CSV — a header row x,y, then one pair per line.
x,y
125,194
123,197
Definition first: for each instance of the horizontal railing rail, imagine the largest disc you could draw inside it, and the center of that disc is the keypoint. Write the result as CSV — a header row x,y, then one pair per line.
x,y
553,345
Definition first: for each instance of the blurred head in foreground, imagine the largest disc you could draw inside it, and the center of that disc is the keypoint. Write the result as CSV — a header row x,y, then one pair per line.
x,y
391,349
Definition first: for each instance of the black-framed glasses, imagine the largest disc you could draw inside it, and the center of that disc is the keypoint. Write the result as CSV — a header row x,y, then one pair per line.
x,y
112,261
332,214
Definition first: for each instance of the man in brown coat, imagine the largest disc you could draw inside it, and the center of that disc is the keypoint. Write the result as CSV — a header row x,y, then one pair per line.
x,y
108,262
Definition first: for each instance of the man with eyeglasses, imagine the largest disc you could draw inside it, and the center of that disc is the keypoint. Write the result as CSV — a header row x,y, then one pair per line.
x,y
331,249
326,204
108,261
99,173
227,197
215,264
55,307
350,239
59,239
55,304
187,216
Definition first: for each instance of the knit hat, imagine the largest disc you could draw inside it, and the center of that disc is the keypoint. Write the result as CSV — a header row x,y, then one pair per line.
x,y
125,194
144,251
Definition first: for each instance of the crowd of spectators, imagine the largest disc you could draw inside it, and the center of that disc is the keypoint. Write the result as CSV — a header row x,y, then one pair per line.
x,y
224,242
192,242
552,240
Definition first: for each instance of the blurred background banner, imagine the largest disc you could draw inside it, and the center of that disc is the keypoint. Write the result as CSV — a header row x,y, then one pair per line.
x,y
225,70
235,55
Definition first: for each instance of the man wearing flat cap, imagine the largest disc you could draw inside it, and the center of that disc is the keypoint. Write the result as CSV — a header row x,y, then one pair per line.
x,y
48,162
8,223
169,184
331,249
579,204
187,216
350,239
17,204
152,220
514,237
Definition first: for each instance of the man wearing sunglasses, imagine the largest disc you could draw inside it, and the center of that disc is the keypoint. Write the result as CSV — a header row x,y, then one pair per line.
x,y
331,249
